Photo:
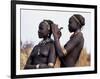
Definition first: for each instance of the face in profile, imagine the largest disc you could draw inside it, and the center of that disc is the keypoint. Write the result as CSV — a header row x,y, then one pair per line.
x,y
72,26
43,30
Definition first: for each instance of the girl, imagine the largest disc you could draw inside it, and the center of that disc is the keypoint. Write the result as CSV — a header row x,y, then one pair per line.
x,y
43,55
75,44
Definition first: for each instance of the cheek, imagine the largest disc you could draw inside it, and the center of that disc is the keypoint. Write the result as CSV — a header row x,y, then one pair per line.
x,y
45,32
73,25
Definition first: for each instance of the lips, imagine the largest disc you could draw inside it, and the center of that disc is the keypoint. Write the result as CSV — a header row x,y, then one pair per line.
x,y
40,34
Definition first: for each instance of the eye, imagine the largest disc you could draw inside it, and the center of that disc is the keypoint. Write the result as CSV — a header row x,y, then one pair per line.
x,y
40,27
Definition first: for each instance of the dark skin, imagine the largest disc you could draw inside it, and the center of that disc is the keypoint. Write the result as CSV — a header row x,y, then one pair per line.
x,y
43,31
68,59
48,59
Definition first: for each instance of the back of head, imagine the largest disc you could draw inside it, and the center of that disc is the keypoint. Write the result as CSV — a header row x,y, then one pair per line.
x,y
50,22
80,19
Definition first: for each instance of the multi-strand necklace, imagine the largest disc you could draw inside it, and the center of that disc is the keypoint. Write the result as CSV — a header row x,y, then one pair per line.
x,y
42,43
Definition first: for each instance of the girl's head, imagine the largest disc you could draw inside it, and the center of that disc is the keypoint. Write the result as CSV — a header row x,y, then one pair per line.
x,y
76,22
45,29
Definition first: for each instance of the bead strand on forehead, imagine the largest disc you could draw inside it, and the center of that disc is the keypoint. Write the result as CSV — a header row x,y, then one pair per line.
x,y
47,24
76,19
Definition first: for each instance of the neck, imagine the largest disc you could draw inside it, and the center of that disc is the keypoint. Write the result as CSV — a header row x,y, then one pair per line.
x,y
45,38
77,31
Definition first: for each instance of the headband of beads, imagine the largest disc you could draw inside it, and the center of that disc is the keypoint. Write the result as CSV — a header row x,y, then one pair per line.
x,y
47,24
76,19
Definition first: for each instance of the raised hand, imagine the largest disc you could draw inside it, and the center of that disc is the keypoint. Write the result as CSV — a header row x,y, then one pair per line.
x,y
56,31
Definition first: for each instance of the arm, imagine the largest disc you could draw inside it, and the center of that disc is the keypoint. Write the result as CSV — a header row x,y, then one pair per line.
x,y
55,31
73,42
52,56
58,48
29,65
68,46
29,61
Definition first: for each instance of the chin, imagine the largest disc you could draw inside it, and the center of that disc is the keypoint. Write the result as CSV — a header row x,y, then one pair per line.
x,y
40,37
70,30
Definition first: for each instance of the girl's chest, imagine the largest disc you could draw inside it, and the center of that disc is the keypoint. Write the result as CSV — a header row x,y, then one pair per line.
x,y
43,50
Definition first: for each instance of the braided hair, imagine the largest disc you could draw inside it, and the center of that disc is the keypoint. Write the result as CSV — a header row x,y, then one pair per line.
x,y
50,24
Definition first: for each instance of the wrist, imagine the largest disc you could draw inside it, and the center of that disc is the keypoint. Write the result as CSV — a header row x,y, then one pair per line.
x,y
56,39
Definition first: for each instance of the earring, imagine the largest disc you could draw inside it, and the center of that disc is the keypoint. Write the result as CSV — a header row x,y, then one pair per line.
x,y
48,35
48,28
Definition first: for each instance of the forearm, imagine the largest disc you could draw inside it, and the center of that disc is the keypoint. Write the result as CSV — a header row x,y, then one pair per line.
x,y
30,67
46,66
58,48
35,66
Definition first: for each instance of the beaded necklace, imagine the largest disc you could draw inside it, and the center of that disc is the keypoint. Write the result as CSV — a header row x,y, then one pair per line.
x,y
42,43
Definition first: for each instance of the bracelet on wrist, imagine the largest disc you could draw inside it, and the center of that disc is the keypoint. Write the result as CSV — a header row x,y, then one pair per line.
x,y
37,66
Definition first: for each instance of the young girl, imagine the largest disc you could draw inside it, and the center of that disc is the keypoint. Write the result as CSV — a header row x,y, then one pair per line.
x,y
43,55
75,44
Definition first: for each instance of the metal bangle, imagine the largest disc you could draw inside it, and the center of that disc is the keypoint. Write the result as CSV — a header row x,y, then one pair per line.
x,y
37,66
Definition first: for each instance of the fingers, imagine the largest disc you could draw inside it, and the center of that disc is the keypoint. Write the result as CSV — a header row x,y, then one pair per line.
x,y
54,27
60,28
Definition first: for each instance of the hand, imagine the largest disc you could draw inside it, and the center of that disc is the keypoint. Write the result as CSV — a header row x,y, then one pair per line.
x,y
56,31
59,34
